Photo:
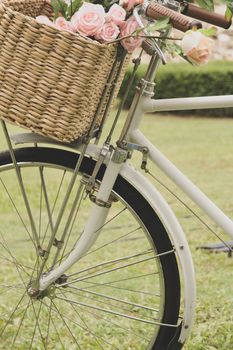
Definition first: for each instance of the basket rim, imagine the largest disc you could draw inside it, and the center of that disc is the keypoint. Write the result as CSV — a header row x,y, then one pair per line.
x,y
56,31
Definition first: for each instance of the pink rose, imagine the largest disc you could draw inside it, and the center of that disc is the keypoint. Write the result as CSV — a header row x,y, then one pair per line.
x,y
116,14
130,4
89,19
129,28
44,20
196,47
62,24
108,32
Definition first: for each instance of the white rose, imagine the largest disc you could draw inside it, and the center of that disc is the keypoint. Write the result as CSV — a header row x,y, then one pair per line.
x,y
196,47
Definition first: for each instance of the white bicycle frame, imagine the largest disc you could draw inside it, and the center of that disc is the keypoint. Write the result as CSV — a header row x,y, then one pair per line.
x,y
115,166
98,214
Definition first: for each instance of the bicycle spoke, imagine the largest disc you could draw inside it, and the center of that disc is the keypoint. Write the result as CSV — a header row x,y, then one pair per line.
x,y
71,228
116,313
106,320
40,211
104,299
20,182
115,269
36,325
14,259
127,279
109,262
65,202
109,297
112,307
68,328
18,213
84,322
84,328
37,321
108,284
52,321
44,191
15,263
106,223
48,325
21,308
69,221
20,324
114,241
54,204
105,272
8,289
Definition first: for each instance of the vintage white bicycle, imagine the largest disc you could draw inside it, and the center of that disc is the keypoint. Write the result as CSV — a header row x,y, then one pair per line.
x,y
92,256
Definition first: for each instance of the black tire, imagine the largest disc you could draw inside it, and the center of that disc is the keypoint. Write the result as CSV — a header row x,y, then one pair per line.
x,y
142,210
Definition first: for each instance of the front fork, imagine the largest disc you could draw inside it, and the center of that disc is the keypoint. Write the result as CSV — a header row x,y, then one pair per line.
x,y
96,219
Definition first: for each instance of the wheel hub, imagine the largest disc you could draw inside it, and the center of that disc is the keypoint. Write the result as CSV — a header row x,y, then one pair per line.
x,y
36,294
49,292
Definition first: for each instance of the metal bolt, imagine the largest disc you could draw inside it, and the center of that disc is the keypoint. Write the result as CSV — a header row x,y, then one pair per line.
x,y
33,291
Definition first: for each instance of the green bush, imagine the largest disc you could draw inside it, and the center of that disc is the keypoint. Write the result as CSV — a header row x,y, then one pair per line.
x,y
185,80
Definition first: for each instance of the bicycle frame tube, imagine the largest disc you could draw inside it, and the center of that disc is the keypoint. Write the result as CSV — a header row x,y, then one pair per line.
x,y
134,135
188,103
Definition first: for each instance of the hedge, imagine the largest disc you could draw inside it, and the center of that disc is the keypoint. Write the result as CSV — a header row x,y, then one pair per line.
x,y
185,80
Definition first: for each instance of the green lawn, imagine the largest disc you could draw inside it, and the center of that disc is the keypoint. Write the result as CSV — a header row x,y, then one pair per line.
x,y
203,149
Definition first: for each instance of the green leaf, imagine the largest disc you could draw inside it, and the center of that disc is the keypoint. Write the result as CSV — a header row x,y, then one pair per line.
x,y
212,31
160,24
105,3
229,13
229,4
75,5
206,4
59,7
63,7
229,9
173,48
56,8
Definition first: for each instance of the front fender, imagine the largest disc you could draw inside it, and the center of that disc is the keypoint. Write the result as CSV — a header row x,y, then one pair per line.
x,y
178,239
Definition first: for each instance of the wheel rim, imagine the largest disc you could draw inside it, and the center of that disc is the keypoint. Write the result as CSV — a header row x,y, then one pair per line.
x,y
113,299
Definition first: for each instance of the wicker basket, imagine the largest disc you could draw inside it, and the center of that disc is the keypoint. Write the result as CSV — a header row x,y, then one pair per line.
x,y
51,81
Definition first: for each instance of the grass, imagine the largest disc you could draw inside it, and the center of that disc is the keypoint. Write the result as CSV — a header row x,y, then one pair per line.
x,y
203,150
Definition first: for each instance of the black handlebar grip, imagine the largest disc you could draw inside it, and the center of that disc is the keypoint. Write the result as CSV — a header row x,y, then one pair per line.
x,y
206,16
178,21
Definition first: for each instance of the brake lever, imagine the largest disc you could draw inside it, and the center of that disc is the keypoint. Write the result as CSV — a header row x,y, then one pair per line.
x,y
158,50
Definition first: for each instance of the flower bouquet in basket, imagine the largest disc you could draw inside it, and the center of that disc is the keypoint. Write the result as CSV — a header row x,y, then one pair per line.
x,y
57,58
113,20
103,21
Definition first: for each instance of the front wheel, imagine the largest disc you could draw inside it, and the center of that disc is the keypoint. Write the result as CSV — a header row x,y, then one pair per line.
x,y
123,294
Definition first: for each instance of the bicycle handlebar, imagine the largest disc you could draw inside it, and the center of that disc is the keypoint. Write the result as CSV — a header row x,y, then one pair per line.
x,y
178,20
206,16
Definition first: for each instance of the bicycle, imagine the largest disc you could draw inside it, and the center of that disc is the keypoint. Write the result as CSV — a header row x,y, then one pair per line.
x,y
72,259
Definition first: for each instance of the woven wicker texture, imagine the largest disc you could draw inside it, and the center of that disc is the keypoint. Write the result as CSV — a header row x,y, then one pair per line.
x,y
51,81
